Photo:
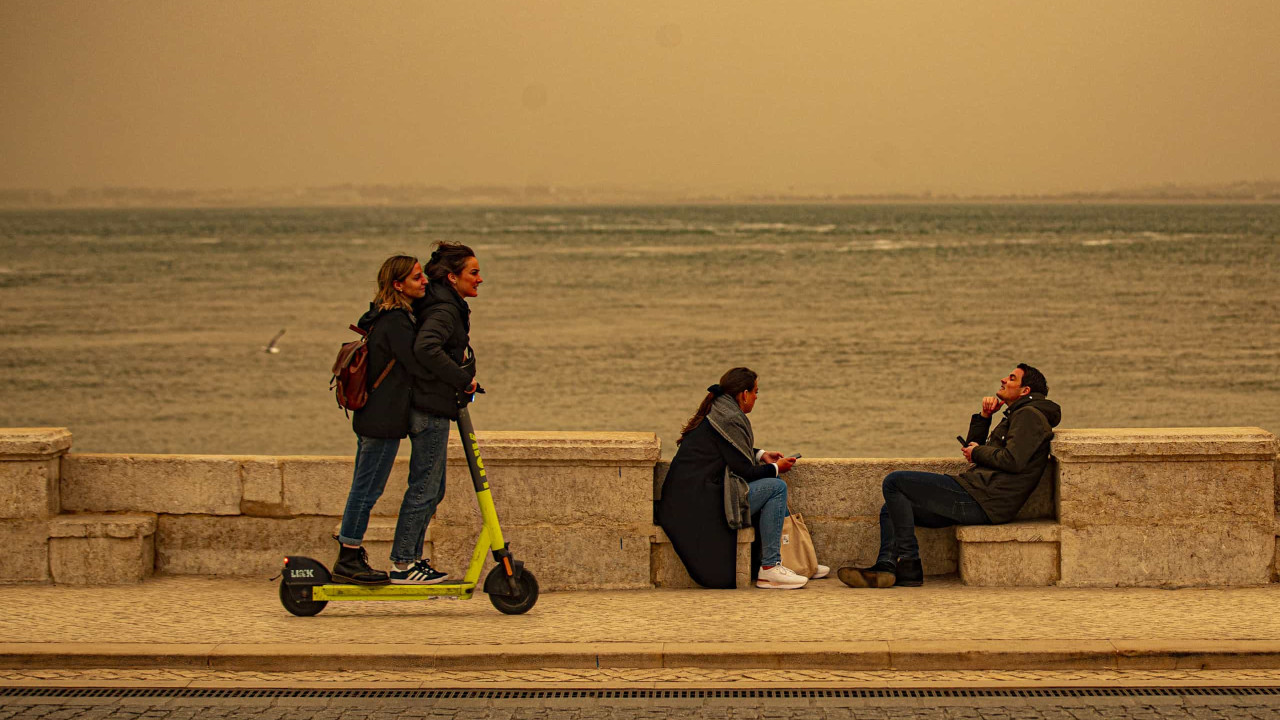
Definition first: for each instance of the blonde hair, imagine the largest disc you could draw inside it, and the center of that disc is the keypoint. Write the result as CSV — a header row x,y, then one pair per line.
x,y
396,269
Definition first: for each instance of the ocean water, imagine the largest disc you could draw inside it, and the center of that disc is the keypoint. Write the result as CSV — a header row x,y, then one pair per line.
x,y
876,329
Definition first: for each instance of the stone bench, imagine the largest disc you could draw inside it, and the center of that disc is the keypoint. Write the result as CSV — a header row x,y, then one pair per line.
x,y
1016,554
668,571
102,548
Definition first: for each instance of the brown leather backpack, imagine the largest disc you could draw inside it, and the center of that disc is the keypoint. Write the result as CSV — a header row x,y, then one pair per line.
x,y
350,373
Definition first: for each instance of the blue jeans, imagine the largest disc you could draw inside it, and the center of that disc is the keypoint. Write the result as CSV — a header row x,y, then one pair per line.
x,y
929,500
375,458
429,435
768,498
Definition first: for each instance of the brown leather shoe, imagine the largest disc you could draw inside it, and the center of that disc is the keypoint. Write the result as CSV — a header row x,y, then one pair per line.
x,y
880,575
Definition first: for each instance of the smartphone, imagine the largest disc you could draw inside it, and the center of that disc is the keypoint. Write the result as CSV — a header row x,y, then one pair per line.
x,y
797,456
962,442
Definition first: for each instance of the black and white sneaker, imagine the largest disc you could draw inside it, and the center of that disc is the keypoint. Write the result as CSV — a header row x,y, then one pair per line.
x,y
419,573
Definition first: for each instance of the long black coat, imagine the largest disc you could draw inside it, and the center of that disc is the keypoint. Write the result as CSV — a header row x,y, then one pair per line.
x,y
391,334
691,510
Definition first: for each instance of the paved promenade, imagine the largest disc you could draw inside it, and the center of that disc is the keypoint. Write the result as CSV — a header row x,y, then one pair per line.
x,y
238,626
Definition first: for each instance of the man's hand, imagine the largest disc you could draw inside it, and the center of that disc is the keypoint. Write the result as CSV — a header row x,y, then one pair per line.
x,y
784,464
990,405
771,457
968,451
471,389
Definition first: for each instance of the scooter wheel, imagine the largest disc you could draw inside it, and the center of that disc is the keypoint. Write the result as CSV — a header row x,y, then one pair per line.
x,y
301,608
523,600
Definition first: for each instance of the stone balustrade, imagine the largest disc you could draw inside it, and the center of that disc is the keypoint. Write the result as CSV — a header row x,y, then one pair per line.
x,y
1127,507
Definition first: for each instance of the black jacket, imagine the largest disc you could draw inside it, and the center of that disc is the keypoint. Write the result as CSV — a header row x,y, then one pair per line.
x,y
691,510
391,335
1008,464
444,321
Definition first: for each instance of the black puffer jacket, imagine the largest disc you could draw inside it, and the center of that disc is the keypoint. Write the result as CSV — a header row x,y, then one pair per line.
x,y
1008,465
444,321
391,335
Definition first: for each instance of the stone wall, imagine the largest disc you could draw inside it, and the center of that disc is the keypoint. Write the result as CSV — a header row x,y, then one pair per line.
x,y
1161,507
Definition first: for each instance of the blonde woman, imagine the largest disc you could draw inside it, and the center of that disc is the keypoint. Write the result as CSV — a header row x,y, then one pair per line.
x,y
384,420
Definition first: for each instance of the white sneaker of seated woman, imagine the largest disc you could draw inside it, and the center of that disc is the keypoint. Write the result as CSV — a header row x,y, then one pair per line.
x,y
780,578
820,573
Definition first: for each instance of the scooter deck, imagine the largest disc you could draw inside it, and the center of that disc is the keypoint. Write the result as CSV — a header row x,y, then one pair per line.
x,y
392,592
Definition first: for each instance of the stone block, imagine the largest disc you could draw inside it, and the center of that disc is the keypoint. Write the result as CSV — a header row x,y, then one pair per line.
x,y
1137,493
379,536
26,551
1009,564
33,443
851,488
29,488
178,484
1208,554
102,549
318,485
856,542
668,571
556,448
1033,531
262,487
1164,444
239,545
595,495
562,558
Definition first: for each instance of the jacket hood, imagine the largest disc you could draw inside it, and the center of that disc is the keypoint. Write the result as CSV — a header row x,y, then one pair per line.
x,y
366,320
1052,412
371,316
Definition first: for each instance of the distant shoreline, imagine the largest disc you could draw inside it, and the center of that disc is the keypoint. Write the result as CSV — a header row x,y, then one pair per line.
x,y
245,204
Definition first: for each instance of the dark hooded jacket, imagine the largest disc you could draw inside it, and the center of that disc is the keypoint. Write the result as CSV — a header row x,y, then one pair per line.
x,y
444,321
692,508
390,335
1008,464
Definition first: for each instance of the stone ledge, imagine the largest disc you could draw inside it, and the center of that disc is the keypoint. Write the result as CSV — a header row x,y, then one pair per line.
x,y
33,443
1163,444
121,525
1019,532
529,447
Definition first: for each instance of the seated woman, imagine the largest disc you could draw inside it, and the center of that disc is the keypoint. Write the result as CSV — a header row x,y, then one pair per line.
x,y
718,481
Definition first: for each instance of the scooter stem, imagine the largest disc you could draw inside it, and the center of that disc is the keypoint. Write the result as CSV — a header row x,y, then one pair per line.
x,y
471,449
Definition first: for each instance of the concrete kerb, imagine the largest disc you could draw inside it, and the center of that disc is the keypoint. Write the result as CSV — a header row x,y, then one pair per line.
x,y
913,655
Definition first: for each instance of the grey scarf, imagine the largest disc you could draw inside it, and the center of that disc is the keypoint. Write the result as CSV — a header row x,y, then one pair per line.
x,y
731,423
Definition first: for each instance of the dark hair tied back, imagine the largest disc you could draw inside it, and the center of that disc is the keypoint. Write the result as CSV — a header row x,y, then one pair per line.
x,y
448,258
737,380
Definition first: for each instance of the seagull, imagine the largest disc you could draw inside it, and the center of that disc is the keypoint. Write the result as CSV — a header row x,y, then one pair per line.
x,y
271,346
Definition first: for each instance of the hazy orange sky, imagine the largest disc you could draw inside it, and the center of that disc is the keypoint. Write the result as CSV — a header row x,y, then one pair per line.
x,y
862,97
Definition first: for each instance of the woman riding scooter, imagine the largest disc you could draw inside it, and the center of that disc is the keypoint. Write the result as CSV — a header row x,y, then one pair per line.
x,y
379,425
441,347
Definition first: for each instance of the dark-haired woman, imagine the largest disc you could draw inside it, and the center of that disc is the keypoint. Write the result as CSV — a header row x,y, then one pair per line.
x,y
703,500
441,347
384,420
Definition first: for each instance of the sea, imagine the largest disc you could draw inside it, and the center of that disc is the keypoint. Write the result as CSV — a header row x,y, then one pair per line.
x,y
875,329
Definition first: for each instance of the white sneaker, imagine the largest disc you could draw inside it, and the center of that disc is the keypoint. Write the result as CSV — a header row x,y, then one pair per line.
x,y
779,577
820,573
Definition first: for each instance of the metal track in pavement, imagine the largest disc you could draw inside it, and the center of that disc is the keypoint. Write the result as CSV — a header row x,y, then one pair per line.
x,y
637,694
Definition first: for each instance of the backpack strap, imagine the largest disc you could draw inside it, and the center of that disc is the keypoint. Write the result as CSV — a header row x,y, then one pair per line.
x,y
383,376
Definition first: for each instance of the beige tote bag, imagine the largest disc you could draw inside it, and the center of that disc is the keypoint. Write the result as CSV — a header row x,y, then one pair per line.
x,y
798,554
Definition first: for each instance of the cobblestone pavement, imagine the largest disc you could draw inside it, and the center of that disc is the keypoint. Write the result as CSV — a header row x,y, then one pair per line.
x,y
613,709
639,677
205,610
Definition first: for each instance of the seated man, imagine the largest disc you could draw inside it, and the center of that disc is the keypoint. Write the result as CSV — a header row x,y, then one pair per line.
x,y
1006,469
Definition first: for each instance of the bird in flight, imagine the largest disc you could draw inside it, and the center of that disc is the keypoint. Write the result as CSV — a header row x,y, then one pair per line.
x,y
271,346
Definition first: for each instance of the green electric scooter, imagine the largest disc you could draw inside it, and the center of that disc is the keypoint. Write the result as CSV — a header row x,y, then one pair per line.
x,y
306,586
